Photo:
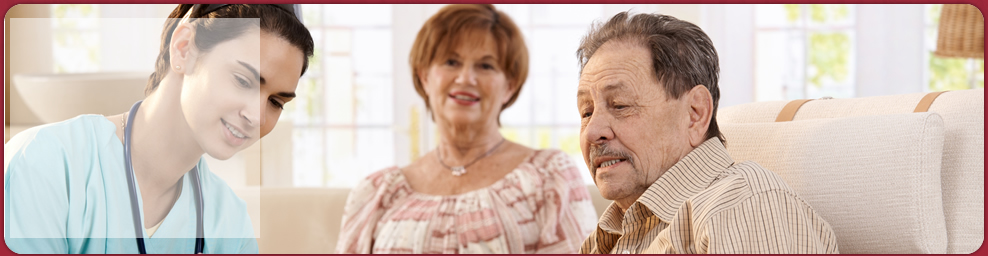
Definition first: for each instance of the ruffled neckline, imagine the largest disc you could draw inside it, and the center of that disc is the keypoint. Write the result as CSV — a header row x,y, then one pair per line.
x,y
401,181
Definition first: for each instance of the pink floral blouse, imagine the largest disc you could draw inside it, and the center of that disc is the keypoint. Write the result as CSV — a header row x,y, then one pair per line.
x,y
540,207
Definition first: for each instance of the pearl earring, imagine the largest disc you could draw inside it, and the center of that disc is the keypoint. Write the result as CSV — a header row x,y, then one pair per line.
x,y
178,67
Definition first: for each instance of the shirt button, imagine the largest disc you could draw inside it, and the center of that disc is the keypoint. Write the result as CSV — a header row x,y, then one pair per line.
x,y
626,252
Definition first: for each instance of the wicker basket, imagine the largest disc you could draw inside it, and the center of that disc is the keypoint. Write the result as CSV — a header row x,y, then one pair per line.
x,y
961,32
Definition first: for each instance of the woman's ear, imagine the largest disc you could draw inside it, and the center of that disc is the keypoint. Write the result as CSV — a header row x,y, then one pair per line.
x,y
510,90
423,76
181,50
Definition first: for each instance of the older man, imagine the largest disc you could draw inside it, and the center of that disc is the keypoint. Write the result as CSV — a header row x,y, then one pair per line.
x,y
648,100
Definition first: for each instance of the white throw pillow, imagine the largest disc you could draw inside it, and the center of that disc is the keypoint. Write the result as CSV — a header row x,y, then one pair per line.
x,y
875,179
963,170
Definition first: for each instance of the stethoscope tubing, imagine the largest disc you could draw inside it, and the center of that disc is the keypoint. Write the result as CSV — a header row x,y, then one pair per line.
x,y
132,188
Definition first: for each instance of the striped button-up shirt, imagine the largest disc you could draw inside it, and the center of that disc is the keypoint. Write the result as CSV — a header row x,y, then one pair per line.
x,y
706,203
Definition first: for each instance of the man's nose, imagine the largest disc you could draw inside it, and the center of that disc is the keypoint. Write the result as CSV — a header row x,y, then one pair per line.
x,y
598,129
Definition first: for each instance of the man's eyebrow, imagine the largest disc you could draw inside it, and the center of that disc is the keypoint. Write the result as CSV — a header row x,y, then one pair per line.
x,y
613,87
252,70
582,92
607,88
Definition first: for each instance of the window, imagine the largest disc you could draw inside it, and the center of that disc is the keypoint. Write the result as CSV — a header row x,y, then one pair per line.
x,y
344,119
545,115
343,114
948,73
344,125
804,51
75,40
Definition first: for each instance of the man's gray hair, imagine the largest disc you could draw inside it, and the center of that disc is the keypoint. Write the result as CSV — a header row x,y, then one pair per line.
x,y
682,54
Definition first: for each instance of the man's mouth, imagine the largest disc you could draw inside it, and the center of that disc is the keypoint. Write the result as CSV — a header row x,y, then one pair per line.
x,y
603,156
609,163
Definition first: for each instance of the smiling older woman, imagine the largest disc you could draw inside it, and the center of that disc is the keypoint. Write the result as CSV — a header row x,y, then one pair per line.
x,y
476,192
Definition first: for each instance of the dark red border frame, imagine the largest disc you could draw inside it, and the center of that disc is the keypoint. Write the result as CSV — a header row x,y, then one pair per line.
x,y
981,4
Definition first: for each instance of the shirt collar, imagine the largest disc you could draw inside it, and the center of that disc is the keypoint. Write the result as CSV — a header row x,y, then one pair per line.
x,y
610,220
692,174
616,223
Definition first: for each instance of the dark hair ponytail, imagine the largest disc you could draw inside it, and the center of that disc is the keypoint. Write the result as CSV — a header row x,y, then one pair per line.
x,y
209,32
162,64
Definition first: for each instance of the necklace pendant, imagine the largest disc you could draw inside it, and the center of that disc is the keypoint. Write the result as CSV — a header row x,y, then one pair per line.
x,y
458,170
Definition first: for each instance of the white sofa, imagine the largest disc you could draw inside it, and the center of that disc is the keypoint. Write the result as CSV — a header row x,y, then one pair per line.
x,y
888,180
835,153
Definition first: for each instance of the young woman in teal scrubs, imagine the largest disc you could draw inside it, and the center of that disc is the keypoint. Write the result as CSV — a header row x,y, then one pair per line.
x,y
84,185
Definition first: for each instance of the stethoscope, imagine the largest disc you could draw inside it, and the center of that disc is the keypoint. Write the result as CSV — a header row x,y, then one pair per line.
x,y
131,184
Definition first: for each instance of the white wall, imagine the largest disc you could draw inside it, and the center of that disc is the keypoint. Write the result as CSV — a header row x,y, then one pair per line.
x,y
129,38
890,49
29,52
731,27
137,48
406,22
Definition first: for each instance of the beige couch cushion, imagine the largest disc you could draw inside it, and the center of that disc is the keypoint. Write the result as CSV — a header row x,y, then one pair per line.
x,y
875,179
300,220
307,220
963,151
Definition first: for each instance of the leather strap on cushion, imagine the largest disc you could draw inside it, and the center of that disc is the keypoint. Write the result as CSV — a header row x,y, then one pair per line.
x,y
789,111
924,104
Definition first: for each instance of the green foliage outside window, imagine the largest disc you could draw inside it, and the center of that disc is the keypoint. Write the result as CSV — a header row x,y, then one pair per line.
x,y
981,74
570,144
826,13
75,26
947,74
66,14
819,13
933,13
828,57
829,53
313,104
792,12
951,73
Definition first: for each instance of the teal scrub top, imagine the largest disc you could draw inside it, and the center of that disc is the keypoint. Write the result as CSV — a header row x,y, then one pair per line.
x,y
65,191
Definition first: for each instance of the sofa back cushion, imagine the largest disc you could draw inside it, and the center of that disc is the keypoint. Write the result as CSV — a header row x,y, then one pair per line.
x,y
875,179
963,150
